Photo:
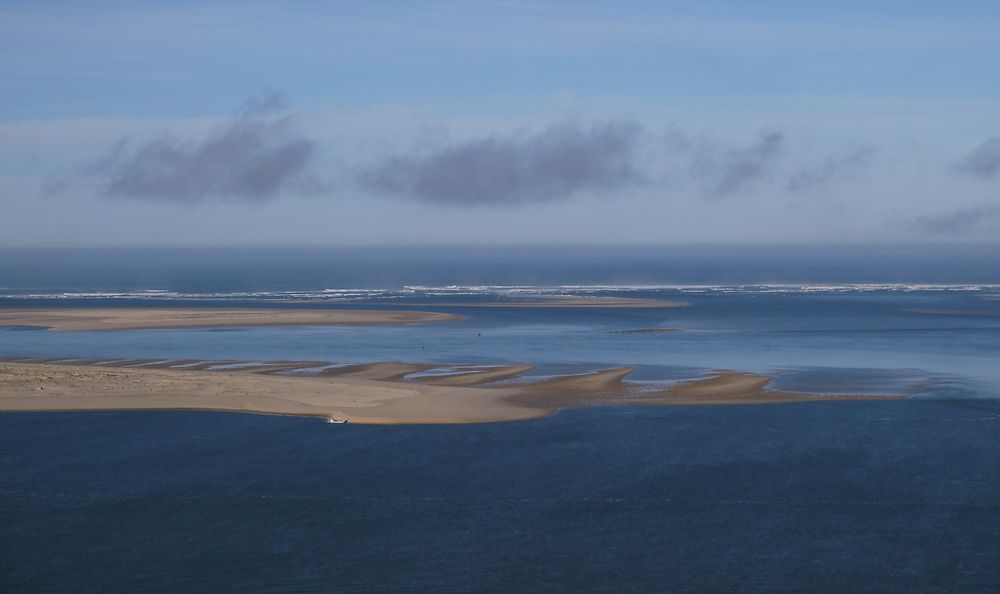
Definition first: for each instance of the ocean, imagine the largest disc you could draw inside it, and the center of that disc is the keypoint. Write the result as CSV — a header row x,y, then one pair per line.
x,y
877,496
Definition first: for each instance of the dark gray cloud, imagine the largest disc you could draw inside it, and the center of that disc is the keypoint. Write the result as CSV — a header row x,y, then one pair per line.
x,y
723,173
554,164
984,161
833,168
252,157
966,220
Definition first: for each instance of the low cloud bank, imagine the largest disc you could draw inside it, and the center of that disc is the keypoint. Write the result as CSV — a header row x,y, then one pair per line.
x,y
984,161
556,163
252,157
962,221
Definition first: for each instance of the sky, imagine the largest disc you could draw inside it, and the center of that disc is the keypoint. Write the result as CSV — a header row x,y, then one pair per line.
x,y
498,122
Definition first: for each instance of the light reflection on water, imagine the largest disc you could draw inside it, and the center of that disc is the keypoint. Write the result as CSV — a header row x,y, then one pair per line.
x,y
869,342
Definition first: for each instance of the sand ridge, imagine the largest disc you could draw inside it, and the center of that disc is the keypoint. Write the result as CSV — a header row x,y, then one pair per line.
x,y
362,394
147,318
476,376
383,371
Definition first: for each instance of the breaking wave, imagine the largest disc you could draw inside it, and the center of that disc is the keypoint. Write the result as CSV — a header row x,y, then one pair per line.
x,y
418,292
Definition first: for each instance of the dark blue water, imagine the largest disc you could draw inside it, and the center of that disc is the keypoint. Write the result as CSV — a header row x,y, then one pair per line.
x,y
824,497
875,496
250,269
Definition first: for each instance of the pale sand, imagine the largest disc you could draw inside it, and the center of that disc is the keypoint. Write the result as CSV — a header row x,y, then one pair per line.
x,y
120,318
40,387
354,396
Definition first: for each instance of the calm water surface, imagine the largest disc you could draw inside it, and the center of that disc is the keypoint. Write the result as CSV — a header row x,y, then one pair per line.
x,y
876,496
824,497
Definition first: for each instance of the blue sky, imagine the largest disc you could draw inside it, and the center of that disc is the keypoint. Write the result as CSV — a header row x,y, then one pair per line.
x,y
498,122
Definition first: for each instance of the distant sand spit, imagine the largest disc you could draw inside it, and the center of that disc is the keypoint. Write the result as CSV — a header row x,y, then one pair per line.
x,y
146,318
369,394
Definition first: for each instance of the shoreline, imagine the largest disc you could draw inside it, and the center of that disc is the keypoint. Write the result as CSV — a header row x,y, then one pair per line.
x,y
156,318
374,393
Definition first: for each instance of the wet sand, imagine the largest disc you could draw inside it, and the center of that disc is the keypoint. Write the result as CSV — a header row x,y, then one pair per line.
x,y
147,318
476,377
384,371
369,394
730,387
608,387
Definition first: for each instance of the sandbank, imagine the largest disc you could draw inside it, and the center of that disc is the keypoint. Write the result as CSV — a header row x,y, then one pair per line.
x,y
368,394
48,387
146,318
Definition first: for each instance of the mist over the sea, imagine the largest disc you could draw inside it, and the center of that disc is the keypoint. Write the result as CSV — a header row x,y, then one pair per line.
x,y
263,269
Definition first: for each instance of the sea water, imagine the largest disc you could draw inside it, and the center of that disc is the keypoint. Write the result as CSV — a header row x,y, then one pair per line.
x,y
863,496
856,338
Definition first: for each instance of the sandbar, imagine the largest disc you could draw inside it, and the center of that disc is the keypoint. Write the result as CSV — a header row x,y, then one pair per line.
x,y
367,394
147,318
47,387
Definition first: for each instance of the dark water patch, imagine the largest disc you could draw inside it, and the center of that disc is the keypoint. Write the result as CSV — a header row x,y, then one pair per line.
x,y
850,496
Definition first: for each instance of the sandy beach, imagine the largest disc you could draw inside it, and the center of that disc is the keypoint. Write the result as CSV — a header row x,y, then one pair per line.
x,y
369,394
122,318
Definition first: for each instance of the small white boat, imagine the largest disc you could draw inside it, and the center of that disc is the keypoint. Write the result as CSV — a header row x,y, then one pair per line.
x,y
337,421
